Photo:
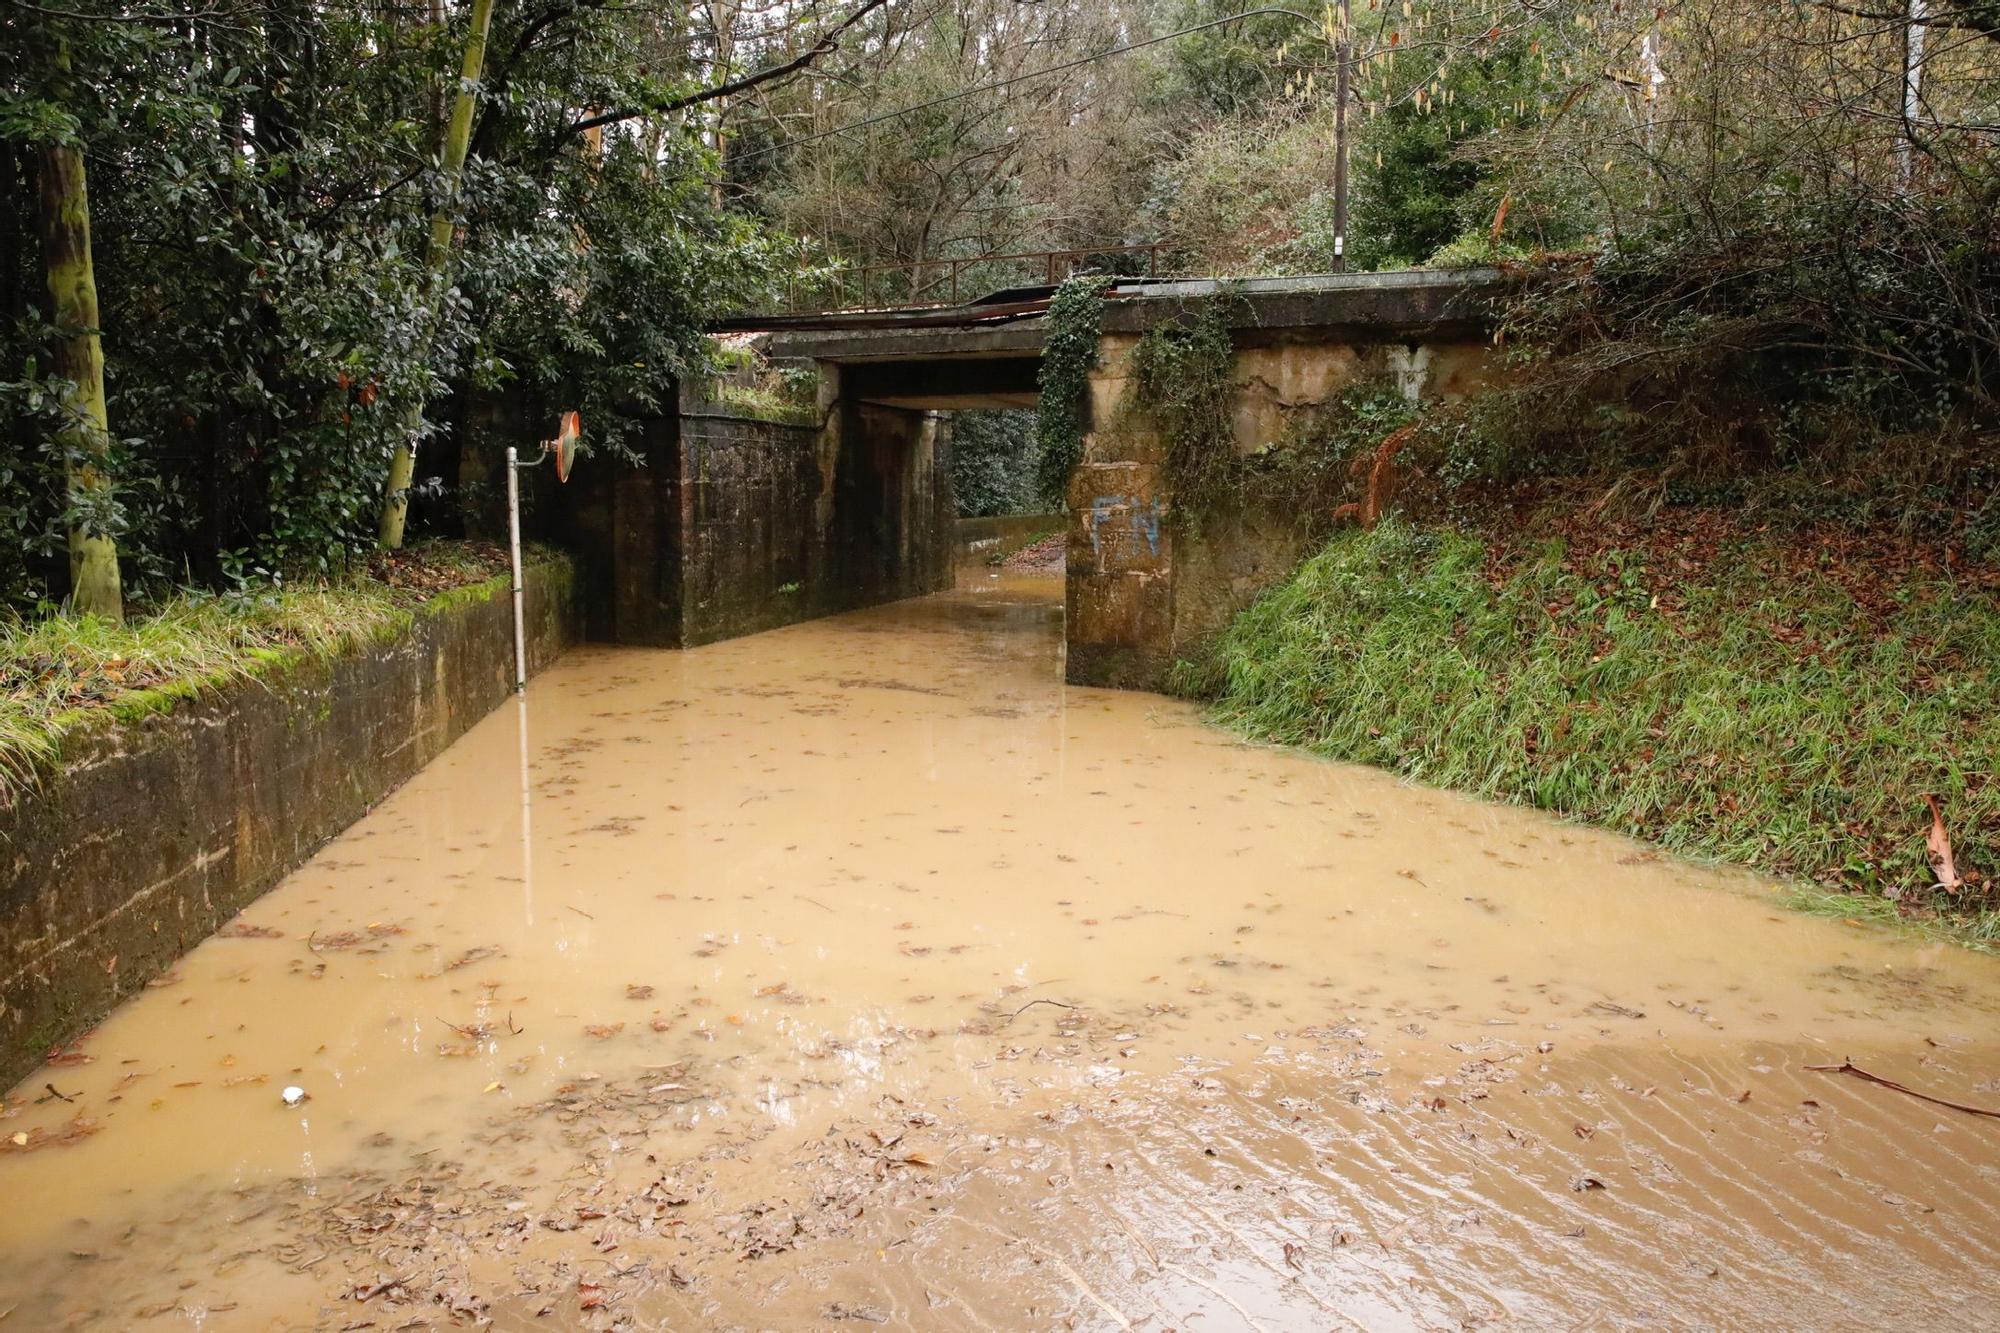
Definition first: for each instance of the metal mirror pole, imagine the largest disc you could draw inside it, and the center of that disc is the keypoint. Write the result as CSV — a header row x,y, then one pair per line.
x,y
514,552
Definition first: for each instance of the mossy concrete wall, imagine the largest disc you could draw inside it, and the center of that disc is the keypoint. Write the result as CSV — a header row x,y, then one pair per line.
x,y
1146,588
153,830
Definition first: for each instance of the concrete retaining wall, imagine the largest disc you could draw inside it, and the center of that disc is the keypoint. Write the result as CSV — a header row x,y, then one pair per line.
x,y
153,832
728,524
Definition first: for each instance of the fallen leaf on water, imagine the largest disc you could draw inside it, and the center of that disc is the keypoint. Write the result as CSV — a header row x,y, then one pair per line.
x,y
603,1030
72,1131
349,939
471,956
866,1314
638,992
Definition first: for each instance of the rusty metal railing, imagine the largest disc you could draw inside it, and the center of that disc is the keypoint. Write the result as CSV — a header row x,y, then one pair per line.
x,y
953,280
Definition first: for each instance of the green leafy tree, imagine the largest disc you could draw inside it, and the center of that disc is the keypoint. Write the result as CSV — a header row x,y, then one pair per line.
x,y
993,463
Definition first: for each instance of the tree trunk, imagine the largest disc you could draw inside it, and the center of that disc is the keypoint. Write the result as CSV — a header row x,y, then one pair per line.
x,y
437,257
64,216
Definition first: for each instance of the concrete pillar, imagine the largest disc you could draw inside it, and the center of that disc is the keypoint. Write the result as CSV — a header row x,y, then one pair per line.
x,y
1145,586
1119,586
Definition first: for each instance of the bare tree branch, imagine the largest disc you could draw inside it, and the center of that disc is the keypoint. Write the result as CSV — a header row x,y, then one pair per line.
x,y
828,42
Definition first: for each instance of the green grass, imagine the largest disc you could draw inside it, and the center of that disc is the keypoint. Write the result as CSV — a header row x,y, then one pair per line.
x,y
1760,714
59,673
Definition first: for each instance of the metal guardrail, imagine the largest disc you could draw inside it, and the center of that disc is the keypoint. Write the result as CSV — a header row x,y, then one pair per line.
x,y
949,281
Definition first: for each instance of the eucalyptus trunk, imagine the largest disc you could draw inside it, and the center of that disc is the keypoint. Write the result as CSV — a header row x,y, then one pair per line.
x,y
437,258
64,217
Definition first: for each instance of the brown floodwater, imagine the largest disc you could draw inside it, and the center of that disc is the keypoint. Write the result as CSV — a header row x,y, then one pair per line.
x,y
861,973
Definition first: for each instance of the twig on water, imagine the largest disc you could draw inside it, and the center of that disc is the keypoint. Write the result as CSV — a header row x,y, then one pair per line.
x,y
1849,1067
1032,1003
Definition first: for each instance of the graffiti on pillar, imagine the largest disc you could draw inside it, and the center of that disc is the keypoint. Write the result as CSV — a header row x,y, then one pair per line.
x,y
1124,514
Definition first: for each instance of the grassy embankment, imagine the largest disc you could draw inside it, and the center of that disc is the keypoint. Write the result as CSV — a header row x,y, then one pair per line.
x,y
1780,702
58,672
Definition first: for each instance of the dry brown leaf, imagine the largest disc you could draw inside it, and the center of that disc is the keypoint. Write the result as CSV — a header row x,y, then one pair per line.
x,y
1939,845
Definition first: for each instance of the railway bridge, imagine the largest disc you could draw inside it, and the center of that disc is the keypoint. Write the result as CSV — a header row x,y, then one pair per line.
x,y
739,520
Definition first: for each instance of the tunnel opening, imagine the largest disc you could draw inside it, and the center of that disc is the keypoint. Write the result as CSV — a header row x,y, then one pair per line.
x,y
782,490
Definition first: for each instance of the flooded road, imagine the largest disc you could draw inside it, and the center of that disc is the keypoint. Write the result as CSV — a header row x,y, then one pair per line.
x,y
861,974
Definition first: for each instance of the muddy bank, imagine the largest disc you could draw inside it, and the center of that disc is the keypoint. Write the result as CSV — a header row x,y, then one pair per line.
x,y
992,540
862,973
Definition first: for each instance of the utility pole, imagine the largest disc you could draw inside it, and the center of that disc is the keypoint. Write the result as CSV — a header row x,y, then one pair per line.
x,y
1343,50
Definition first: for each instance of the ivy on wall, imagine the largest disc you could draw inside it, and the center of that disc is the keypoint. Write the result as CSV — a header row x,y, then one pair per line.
x,y
1183,388
1181,381
1068,355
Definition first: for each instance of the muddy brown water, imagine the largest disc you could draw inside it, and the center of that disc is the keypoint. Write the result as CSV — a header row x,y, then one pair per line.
x,y
862,974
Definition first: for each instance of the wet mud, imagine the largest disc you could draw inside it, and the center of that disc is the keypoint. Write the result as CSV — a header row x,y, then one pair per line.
x,y
861,974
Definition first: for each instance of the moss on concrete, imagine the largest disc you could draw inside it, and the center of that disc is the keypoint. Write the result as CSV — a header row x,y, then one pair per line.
x,y
205,647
